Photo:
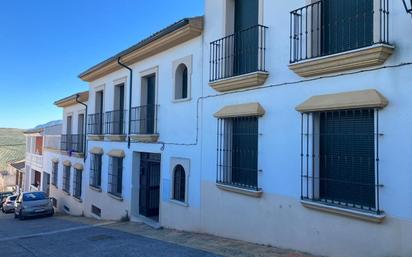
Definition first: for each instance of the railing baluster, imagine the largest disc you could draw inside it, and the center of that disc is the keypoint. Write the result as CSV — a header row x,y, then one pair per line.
x,y
238,54
336,26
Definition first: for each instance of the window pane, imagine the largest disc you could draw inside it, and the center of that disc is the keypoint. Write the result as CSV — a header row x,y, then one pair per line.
x,y
346,157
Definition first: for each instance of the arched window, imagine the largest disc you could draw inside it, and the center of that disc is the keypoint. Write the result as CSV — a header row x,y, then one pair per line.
x,y
181,82
179,183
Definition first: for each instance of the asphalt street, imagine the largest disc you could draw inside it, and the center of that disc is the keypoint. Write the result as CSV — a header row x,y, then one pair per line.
x,y
59,237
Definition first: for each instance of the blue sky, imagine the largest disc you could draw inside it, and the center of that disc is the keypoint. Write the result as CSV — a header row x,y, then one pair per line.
x,y
46,44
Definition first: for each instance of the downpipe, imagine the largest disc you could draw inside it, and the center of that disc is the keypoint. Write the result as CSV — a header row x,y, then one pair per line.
x,y
130,98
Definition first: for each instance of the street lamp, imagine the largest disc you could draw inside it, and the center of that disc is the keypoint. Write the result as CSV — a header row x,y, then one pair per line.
x,y
408,6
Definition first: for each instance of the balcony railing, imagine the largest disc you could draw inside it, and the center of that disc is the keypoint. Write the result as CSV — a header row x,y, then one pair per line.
x,y
114,122
238,54
328,27
72,143
95,124
144,120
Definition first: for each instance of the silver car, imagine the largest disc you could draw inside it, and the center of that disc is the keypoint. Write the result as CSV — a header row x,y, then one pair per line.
x,y
8,204
29,204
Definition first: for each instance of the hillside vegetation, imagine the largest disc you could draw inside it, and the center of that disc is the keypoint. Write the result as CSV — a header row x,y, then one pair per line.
x,y
12,146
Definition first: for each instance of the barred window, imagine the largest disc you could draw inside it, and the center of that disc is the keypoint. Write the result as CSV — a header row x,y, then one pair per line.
x,y
179,183
237,152
66,179
115,175
96,170
55,173
77,184
339,158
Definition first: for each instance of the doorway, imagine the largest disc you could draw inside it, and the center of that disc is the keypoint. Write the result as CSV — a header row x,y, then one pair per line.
x,y
149,189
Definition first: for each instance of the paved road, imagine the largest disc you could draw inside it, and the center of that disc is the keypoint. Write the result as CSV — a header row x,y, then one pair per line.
x,y
59,237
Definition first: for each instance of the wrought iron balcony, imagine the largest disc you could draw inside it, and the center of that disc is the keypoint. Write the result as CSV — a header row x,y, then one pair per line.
x,y
72,143
329,27
144,120
238,54
114,122
95,124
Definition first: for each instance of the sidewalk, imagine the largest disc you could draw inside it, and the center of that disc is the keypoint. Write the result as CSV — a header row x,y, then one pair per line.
x,y
209,243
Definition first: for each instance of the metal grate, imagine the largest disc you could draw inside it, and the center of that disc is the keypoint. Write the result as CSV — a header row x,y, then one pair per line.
x,y
72,143
238,54
95,124
144,120
66,179
77,185
333,26
237,152
96,170
114,122
115,176
339,158
96,211
179,183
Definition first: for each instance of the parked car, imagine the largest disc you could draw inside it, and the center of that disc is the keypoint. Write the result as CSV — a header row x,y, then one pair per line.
x,y
4,195
29,204
8,205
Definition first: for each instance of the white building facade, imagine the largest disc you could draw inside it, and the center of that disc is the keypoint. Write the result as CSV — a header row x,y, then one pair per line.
x,y
313,146
65,154
134,150
277,123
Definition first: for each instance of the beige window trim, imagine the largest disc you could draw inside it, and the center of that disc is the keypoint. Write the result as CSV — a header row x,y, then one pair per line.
x,y
78,166
96,150
240,110
369,98
67,163
117,153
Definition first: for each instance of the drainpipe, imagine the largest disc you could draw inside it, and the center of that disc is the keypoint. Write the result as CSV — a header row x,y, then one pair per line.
x,y
85,126
130,97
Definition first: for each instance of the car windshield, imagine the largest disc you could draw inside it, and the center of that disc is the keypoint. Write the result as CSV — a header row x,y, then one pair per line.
x,y
13,198
34,196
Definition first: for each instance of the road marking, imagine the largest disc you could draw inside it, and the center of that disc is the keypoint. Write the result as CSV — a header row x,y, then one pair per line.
x,y
57,231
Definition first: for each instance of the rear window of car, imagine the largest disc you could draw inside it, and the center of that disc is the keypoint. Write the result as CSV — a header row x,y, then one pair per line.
x,y
34,196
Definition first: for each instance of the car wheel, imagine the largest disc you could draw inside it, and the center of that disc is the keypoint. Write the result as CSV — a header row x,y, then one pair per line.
x,y
21,217
15,215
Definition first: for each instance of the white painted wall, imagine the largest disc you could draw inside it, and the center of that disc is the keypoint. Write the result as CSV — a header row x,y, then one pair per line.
x,y
278,218
170,112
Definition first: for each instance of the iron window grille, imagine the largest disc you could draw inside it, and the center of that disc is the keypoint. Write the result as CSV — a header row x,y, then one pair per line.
x,y
237,54
66,179
55,172
237,152
95,124
179,183
77,184
72,143
144,120
114,122
96,170
116,176
340,158
333,26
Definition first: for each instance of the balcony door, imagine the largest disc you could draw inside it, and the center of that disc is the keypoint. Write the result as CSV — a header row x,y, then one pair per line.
x,y
246,38
346,25
148,111
118,114
99,110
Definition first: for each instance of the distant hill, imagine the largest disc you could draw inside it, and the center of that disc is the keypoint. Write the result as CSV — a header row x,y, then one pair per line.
x,y
12,146
49,124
